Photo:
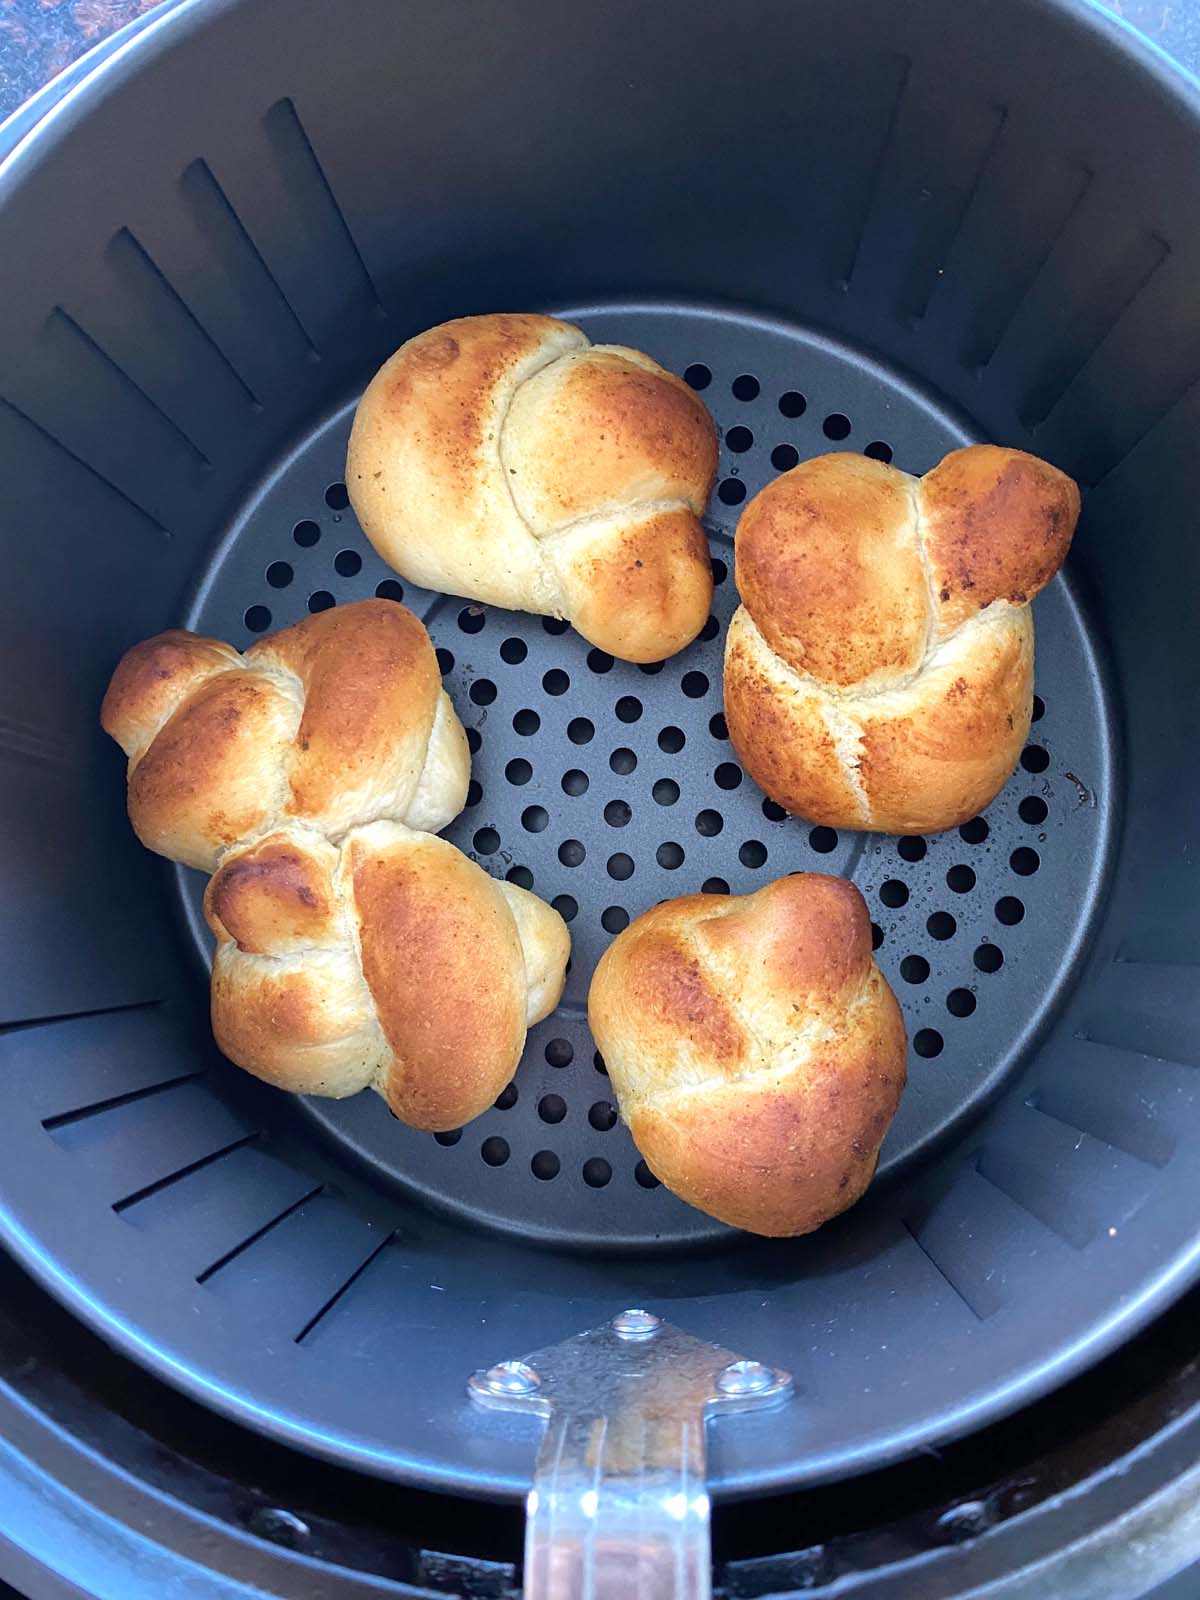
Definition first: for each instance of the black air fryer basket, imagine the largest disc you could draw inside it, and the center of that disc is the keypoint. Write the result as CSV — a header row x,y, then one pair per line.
x,y
893,229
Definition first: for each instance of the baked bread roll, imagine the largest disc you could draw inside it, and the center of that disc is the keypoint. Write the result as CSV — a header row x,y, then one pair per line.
x,y
340,719
879,671
509,460
391,961
755,1049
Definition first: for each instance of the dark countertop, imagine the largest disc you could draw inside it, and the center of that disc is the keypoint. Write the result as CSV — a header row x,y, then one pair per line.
x,y
38,38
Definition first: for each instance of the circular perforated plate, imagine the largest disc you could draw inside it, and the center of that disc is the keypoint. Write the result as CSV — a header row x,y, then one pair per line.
x,y
606,787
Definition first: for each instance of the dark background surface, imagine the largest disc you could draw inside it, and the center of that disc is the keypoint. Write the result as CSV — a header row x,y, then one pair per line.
x,y
38,38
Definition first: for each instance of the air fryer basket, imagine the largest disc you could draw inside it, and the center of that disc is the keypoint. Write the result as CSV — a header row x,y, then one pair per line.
x,y
896,229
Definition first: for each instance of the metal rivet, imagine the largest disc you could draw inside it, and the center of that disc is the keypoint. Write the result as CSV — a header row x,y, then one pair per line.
x,y
635,1324
511,1378
965,1521
745,1377
281,1527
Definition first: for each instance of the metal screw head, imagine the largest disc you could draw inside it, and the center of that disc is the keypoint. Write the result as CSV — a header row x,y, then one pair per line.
x,y
511,1378
745,1377
964,1521
281,1527
635,1324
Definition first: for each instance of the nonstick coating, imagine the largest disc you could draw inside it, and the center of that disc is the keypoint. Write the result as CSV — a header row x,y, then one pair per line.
x,y
911,219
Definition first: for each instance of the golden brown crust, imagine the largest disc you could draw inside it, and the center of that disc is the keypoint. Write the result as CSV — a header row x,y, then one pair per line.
x,y
288,999
655,975
827,564
215,773
998,524
804,939
442,959
283,1025
331,721
371,682
778,1162
392,962
597,432
780,733
152,680
423,465
944,756
640,589
756,1052
276,896
879,674
446,376
485,452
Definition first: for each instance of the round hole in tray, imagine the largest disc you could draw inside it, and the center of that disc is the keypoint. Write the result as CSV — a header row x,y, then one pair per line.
x,y
552,1108
545,1165
494,1150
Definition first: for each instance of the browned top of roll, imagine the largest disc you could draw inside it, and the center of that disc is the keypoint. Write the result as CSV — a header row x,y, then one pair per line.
x,y
853,570
443,961
392,962
370,680
757,1054
507,459
276,897
328,721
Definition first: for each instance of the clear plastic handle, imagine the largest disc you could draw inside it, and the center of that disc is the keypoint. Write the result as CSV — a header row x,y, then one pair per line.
x,y
619,1508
